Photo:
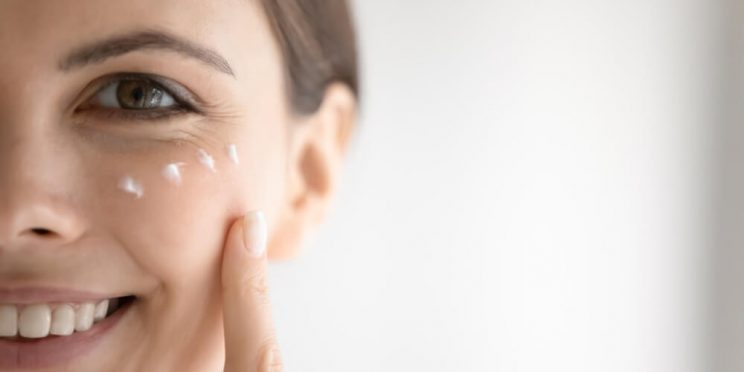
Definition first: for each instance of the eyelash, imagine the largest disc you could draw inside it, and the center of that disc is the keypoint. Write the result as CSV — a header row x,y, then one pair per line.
x,y
181,105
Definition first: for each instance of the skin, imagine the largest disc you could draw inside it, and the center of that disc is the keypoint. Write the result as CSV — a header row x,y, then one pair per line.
x,y
61,158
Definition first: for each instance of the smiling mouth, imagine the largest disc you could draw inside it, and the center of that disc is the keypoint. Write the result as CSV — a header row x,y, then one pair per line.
x,y
37,321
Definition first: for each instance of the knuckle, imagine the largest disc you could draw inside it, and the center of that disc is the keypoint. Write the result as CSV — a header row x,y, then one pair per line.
x,y
269,358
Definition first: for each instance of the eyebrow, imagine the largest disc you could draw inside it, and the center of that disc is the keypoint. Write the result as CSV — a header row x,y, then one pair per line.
x,y
99,51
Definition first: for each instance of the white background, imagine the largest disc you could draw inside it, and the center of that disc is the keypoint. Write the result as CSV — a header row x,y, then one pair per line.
x,y
529,191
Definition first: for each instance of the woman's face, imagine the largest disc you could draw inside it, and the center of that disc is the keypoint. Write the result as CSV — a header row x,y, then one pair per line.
x,y
131,134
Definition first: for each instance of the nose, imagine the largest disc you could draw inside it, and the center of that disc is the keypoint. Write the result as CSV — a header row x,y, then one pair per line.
x,y
36,205
35,218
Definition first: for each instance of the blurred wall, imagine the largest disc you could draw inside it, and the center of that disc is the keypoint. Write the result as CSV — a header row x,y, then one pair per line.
x,y
728,260
530,190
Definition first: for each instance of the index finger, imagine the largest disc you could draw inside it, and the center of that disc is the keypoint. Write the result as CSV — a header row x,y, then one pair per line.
x,y
250,340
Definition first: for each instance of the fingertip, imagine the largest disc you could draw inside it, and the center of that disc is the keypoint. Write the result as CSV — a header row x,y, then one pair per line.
x,y
245,247
255,233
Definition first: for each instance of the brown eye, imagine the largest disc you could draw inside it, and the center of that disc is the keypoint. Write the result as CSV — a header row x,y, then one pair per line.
x,y
137,97
134,94
138,94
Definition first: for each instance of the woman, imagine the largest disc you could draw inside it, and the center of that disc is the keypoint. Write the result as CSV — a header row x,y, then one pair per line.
x,y
145,147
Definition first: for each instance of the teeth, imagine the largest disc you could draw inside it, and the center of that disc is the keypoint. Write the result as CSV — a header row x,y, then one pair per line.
x,y
42,320
84,317
34,321
8,321
101,309
63,321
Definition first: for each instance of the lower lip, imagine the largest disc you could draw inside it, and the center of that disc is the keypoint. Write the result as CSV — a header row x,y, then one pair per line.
x,y
56,350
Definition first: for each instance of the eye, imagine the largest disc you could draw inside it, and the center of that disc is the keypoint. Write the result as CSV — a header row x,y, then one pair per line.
x,y
135,94
139,97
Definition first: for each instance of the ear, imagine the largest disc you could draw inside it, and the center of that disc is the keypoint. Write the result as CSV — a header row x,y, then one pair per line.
x,y
317,147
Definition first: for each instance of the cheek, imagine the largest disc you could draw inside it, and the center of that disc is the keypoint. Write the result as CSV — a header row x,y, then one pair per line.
x,y
170,207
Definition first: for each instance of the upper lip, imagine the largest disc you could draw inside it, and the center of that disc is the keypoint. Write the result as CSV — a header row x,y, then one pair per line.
x,y
35,295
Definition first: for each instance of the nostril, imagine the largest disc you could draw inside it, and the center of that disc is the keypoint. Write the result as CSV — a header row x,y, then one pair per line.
x,y
41,231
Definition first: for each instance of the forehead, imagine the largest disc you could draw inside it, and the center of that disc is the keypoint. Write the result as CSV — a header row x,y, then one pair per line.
x,y
38,33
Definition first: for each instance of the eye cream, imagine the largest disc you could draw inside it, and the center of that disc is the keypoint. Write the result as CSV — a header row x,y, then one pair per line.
x,y
232,151
206,159
130,186
172,172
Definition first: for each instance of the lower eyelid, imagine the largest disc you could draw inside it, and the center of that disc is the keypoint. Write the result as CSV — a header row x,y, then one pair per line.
x,y
147,115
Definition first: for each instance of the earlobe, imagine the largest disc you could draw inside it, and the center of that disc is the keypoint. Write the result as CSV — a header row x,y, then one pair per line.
x,y
317,148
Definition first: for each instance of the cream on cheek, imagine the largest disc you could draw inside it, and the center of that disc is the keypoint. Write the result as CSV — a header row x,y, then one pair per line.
x,y
206,160
171,215
232,151
130,186
173,173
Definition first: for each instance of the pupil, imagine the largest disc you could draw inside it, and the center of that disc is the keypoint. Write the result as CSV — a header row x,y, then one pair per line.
x,y
137,94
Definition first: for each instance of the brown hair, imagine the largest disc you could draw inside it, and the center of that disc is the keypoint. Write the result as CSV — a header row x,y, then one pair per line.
x,y
318,44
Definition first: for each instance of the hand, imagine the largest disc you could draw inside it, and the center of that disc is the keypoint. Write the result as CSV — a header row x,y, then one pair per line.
x,y
250,340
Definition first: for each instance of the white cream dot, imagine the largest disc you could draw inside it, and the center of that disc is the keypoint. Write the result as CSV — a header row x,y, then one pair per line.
x,y
172,172
129,185
206,159
232,151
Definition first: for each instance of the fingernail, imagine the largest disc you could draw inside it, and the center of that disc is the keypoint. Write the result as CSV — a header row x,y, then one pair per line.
x,y
254,228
